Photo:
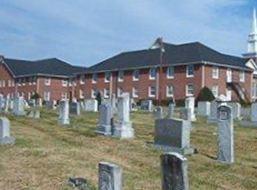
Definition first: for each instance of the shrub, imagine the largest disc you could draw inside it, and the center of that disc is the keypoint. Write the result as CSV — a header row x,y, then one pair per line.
x,y
205,95
99,98
35,96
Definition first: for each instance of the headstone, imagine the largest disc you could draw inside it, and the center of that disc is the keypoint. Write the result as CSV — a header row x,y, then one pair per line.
x,y
64,113
39,102
158,112
174,172
2,102
114,103
32,103
105,117
133,105
254,112
212,118
171,109
225,134
147,105
7,104
185,114
18,106
123,129
34,113
75,108
236,110
11,106
190,103
110,176
49,104
204,108
91,105
173,135
5,137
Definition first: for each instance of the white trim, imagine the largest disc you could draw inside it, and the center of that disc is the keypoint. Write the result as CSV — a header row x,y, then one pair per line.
x,y
151,77
167,73
47,81
133,93
149,91
213,90
187,70
120,79
214,74
133,75
106,75
187,94
105,93
167,91
94,78
241,76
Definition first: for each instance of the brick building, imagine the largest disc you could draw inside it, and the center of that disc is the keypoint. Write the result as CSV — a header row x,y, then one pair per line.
x,y
52,79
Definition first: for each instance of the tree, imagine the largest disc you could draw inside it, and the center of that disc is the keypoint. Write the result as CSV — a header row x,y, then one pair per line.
x,y
35,96
99,98
205,95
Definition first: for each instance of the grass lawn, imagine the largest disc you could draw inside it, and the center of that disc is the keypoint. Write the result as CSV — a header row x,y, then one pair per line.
x,y
46,155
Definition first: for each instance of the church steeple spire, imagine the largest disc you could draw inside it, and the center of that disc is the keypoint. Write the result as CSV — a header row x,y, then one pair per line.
x,y
252,39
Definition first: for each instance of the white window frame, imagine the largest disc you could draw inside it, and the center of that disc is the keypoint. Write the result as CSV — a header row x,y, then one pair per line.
x,y
241,76
135,92
94,78
188,75
134,72
107,77
106,93
47,81
120,73
64,83
215,72
215,90
167,91
150,73
64,96
187,90
119,92
82,79
150,91
93,93
168,72
47,96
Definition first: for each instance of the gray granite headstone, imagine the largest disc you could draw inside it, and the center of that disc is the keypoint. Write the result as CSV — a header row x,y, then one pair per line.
x,y
171,109
123,128
64,118
147,105
174,172
190,103
158,112
212,118
91,105
18,106
74,108
110,176
5,137
7,104
105,117
225,134
204,108
254,112
173,135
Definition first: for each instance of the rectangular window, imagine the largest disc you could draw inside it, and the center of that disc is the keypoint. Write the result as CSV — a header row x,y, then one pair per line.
x,y
94,78
120,76
135,75
242,76
93,93
29,95
47,96
190,70
120,91
82,79
215,91
3,83
81,94
47,81
9,83
169,91
107,77
215,72
151,91
64,83
152,73
170,72
34,80
189,90
106,93
134,92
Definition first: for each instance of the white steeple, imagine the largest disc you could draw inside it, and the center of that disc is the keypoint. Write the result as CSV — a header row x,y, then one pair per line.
x,y
252,39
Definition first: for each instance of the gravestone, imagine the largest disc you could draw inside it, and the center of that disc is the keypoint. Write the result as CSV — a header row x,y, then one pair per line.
x,y
190,103
212,118
174,172
5,137
185,114
7,104
18,106
171,109
91,105
74,108
82,105
2,100
123,128
173,135
147,105
225,134
254,112
11,104
236,110
50,104
64,113
204,108
158,112
39,102
32,102
34,113
105,117
110,176
133,105
114,103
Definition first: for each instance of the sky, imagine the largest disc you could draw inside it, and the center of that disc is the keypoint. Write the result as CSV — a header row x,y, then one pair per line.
x,y
85,32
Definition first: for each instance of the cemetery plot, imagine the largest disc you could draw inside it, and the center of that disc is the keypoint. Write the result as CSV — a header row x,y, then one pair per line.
x,y
45,155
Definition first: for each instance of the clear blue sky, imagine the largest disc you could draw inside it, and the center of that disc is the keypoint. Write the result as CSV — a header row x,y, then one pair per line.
x,y
85,32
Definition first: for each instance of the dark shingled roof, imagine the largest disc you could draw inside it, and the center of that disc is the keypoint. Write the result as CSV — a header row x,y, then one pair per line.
x,y
51,66
174,54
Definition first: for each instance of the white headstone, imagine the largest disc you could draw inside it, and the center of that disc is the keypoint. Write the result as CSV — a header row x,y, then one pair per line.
x,y
225,134
190,103
5,137
18,106
123,129
91,105
204,108
105,118
64,113
158,112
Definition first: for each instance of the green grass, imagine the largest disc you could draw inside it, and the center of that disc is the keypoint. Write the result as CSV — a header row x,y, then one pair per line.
x,y
46,155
